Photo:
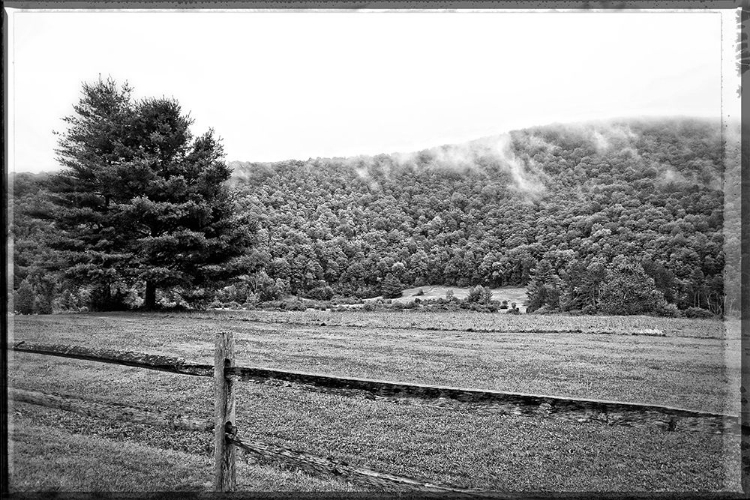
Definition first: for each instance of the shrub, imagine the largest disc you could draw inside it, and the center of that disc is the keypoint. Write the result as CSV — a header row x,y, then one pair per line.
x,y
320,293
697,312
480,295
293,305
668,310
24,298
42,305
340,299
251,300
589,309
545,309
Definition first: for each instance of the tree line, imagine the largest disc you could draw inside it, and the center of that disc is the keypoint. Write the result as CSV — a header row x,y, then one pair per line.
x,y
620,217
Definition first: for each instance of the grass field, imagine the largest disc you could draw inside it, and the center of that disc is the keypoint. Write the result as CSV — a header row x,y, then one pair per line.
x,y
511,294
692,364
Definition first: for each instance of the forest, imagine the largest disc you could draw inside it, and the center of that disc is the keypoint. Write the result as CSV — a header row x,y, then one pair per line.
x,y
615,217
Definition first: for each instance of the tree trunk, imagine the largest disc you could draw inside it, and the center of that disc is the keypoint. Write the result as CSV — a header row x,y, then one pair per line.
x,y
101,299
150,300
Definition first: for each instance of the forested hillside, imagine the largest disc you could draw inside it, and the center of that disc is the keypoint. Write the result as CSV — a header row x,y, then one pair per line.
x,y
618,217
550,206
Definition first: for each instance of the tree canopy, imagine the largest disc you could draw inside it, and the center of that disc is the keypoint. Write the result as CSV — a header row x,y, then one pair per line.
x,y
140,200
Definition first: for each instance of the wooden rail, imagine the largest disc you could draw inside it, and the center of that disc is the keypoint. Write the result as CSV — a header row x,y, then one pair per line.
x,y
126,358
555,407
113,411
578,410
358,475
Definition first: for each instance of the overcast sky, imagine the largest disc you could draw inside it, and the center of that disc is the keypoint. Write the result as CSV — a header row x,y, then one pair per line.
x,y
281,85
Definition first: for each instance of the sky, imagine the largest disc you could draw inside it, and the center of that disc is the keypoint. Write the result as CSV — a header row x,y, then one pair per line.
x,y
307,84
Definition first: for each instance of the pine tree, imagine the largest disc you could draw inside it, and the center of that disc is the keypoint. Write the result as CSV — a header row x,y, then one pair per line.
x,y
391,287
140,199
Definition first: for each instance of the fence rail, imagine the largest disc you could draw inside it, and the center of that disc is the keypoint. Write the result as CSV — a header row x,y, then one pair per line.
x,y
508,403
114,411
126,358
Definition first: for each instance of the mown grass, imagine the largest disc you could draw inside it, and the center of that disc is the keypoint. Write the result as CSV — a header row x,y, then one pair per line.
x,y
48,458
451,446
464,320
683,371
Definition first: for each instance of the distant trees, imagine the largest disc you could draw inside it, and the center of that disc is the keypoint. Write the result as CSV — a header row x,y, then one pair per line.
x,y
615,190
140,200
565,211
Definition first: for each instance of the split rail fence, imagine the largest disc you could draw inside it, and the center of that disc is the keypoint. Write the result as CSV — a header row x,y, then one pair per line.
x,y
226,441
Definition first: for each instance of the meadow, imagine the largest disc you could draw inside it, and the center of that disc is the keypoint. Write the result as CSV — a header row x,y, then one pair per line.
x,y
692,364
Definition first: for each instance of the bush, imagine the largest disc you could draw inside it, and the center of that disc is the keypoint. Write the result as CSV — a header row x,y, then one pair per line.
x,y
251,301
320,293
293,305
24,298
589,309
340,299
42,305
480,295
697,312
668,310
546,309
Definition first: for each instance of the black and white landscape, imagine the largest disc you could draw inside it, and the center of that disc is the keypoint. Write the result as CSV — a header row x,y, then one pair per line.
x,y
444,251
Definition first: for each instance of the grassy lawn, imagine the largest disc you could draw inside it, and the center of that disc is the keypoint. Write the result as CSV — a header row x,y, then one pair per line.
x,y
63,461
511,294
693,366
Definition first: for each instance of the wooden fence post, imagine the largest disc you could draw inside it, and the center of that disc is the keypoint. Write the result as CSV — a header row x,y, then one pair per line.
x,y
224,452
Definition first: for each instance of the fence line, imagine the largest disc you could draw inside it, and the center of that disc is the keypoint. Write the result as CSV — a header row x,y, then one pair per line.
x,y
306,461
224,372
355,474
114,411
578,410
126,358
570,409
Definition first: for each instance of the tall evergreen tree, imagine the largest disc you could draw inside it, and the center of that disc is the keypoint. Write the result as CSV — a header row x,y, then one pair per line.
x,y
140,199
